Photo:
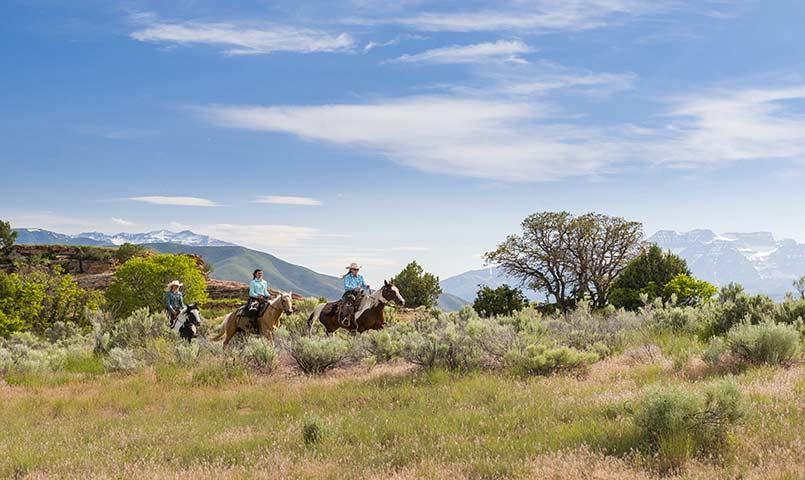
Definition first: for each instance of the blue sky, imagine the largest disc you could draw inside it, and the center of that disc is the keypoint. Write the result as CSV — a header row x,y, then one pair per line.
x,y
380,132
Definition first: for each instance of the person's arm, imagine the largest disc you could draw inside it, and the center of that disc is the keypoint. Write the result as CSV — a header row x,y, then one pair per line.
x,y
346,283
252,290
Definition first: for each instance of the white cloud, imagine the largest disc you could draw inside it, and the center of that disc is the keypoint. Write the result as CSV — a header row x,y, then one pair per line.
x,y
242,39
502,50
530,15
461,136
287,200
732,125
122,222
176,201
593,83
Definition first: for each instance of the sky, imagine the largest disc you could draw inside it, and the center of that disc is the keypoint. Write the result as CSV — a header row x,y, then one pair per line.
x,y
382,132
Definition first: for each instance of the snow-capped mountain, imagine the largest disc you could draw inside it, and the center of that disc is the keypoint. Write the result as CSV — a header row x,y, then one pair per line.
x,y
756,260
185,237
38,236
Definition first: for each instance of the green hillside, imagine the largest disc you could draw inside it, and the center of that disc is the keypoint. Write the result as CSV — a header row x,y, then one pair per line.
x,y
237,263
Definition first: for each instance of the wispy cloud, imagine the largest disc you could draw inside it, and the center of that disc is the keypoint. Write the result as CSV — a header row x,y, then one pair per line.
x,y
287,200
486,138
240,39
531,16
502,50
517,139
730,125
123,222
176,201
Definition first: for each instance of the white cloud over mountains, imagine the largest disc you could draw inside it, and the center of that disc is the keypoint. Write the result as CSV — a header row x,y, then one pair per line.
x,y
175,201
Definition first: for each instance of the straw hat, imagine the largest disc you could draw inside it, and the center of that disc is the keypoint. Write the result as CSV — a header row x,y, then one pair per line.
x,y
353,265
175,283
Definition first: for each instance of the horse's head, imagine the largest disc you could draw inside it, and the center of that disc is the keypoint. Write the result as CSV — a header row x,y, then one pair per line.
x,y
286,302
390,293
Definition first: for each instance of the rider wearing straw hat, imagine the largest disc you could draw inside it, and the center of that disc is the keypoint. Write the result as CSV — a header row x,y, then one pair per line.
x,y
174,299
353,279
354,285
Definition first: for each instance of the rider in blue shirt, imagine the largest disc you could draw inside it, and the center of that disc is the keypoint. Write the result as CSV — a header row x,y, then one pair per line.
x,y
258,295
353,279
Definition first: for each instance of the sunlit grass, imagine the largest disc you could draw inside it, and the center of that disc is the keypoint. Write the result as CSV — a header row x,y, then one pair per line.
x,y
210,421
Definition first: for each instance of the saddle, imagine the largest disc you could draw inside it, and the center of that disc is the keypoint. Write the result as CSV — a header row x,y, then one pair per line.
x,y
345,308
253,309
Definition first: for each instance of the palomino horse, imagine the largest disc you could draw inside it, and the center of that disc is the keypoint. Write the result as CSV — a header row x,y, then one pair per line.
x,y
268,321
368,315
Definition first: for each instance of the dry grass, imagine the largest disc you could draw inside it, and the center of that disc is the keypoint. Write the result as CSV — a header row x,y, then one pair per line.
x,y
388,422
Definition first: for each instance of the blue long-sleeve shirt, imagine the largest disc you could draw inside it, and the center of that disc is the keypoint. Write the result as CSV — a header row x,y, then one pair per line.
x,y
353,281
258,287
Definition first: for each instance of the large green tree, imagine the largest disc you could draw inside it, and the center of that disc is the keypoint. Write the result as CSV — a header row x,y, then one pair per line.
x,y
7,237
569,257
141,282
647,274
502,300
36,298
688,291
418,287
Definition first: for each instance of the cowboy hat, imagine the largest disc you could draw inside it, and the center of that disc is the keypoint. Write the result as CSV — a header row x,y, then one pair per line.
x,y
175,283
353,265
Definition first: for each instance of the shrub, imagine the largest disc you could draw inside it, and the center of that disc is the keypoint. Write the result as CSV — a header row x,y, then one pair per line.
x,y
688,291
647,274
441,342
538,359
137,329
585,329
186,354
734,306
259,354
217,373
141,281
127,251
503,300
767,342
379,346
676,423
714,352
315,355
311,431
122,360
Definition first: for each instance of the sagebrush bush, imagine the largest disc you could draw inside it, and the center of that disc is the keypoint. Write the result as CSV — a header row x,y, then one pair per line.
x,y
766,342
315,355
259,354
380,346
585,329
714,353
312,431
676,424
441,342
539,359
122,360
138,328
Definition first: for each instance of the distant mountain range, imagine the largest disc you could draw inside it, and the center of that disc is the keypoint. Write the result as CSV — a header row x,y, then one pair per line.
x,y
229,261
756,260
37,236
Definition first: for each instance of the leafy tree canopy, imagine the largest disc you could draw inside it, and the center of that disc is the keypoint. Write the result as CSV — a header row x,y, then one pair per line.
x,y
502,300
647,274
418,288
141,282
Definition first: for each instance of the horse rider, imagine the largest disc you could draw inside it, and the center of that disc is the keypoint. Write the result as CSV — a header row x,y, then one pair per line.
x,y
258,296
354,286
174,300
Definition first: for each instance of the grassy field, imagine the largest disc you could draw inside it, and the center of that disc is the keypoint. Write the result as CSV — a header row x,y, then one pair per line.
x,y
393,421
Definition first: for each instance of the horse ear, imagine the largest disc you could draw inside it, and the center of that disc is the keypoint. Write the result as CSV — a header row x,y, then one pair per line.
x,y
386,283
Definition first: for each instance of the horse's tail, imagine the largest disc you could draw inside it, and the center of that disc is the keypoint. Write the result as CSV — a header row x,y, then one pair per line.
x,y
222,328
310,322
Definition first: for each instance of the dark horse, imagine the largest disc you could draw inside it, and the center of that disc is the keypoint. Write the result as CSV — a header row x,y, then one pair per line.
x,y
187,323
368,315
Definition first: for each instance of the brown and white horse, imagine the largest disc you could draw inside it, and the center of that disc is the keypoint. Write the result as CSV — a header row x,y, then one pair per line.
x,y
368,315
268,321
